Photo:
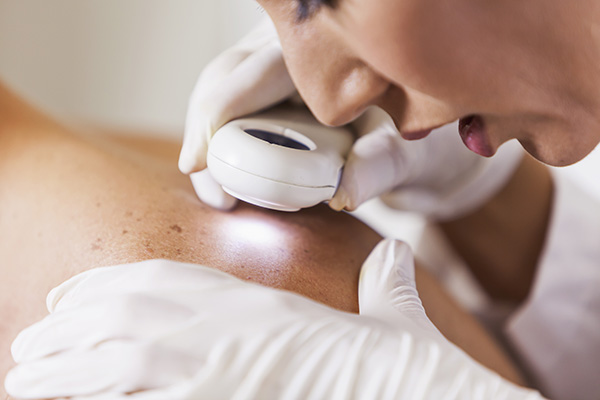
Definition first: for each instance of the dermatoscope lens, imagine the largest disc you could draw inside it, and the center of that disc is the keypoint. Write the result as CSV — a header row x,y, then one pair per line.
x,y
277,139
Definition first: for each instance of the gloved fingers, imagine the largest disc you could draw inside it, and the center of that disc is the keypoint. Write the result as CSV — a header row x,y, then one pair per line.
x,y
387,282
200,125
376,164
125,317
446,180
199,121
443,166
122,367
210,192
257,81
388,269
158,277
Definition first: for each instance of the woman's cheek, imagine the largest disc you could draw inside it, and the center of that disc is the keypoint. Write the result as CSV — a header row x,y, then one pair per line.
x,y
410,43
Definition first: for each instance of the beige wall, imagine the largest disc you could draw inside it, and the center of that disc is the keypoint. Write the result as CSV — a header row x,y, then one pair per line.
x,y
129,63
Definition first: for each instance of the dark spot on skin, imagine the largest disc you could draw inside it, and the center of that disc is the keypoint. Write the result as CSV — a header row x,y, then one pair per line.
x,y
138,219
306,251
98,204
129,214
148,247
178,251
176,228
96,245
125,231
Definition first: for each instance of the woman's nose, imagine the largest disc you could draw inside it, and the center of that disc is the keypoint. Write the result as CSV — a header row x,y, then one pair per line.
x,y
346,93
336,85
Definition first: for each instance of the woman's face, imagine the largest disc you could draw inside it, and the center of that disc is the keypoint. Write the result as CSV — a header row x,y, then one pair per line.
x,y
508,69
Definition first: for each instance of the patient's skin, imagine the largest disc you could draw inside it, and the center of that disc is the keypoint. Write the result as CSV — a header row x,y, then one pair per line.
x,y
71,202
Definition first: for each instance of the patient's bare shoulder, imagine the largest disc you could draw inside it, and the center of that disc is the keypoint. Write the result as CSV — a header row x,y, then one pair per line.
x,y
81,202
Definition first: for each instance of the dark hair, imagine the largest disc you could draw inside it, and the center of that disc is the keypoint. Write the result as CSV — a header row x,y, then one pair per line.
x,y
306,8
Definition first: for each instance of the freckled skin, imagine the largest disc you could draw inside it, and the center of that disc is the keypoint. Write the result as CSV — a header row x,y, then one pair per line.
x,y
49,224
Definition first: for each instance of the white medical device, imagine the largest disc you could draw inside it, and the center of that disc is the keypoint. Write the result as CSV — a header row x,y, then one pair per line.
x,y
282,159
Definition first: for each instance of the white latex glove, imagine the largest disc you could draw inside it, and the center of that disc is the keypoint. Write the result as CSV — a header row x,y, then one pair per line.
x,y
246,78
436,176
165,330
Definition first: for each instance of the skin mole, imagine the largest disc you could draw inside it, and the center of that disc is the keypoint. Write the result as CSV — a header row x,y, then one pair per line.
x,y
176,228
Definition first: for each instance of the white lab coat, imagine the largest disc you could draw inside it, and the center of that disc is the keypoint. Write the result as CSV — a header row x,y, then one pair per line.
x,y
556,332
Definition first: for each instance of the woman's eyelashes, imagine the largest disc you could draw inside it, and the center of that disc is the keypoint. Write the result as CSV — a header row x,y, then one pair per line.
x,y
307,8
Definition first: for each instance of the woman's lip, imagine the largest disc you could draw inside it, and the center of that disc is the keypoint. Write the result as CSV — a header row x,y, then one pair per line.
x,y
415,135
474,135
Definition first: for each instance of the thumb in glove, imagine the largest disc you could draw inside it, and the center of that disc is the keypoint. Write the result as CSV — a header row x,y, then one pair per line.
x,y
378,161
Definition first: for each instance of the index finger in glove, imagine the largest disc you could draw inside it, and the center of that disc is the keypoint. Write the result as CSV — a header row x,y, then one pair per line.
x,y
388,270
124,317
112,367
387,286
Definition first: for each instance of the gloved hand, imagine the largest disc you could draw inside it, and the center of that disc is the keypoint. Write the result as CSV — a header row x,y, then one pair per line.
x,y
436,176
165,330
246,78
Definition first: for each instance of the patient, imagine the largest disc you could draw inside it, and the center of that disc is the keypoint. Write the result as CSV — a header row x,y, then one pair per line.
x,y
71,201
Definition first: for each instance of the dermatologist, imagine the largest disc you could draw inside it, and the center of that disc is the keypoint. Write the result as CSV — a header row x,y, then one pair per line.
x,y
395,71
504,70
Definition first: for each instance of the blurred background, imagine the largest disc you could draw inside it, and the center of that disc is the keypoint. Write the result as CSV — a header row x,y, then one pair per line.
x,y
123,63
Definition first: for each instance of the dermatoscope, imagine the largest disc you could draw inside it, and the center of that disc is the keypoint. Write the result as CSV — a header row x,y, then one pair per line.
x,y
282,158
